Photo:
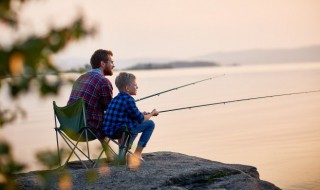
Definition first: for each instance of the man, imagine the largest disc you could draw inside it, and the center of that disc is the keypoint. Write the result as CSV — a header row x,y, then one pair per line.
x,y
95,89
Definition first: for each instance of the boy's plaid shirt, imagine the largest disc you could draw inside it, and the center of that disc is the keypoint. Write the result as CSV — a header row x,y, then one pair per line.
x,y
122,110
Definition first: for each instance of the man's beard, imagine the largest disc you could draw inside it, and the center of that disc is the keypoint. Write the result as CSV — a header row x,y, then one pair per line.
x,y
107,72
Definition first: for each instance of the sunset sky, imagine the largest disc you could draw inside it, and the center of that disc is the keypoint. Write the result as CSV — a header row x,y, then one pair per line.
x,y
178,29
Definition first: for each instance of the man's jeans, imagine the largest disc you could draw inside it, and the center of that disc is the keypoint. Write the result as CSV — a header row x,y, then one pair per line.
x,y
146,128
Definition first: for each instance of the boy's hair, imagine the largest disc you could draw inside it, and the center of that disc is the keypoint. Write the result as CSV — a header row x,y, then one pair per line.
x,y
98,56
124,79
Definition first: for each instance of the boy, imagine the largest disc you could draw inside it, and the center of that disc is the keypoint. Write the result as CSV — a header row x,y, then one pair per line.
x,y
122,110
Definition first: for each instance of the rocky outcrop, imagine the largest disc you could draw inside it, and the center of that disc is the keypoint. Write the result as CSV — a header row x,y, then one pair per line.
x,y
161,170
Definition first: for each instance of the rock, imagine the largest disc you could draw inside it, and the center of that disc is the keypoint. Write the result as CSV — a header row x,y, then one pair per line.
x,y
161,170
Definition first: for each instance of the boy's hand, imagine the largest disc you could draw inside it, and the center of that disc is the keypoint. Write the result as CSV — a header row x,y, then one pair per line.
x,y
154,112
145,113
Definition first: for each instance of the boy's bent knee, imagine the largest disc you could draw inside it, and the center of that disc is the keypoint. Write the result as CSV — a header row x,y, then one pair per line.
x,y
151,124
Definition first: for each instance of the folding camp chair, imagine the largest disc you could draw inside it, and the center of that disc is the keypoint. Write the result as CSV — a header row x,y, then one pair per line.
x,y
73,128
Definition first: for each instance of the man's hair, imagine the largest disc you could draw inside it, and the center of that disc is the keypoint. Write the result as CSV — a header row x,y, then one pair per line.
x,y
124,79
98,56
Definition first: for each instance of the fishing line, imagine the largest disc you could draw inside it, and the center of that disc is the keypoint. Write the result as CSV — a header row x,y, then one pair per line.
x,y
239,100
176,88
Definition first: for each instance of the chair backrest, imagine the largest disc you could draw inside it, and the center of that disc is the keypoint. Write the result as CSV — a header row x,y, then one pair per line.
x,y
72,119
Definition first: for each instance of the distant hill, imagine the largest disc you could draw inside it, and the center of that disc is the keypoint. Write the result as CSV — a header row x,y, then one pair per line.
x,y
172,65
303,54
255,56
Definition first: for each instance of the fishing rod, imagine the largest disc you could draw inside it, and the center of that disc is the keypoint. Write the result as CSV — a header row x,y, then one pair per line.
x,y
176,88
239,100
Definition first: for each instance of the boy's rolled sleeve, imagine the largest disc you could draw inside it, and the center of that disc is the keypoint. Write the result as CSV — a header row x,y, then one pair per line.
x,y
134,112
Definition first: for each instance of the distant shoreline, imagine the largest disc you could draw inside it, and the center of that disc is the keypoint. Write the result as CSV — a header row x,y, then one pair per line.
x,y
172,65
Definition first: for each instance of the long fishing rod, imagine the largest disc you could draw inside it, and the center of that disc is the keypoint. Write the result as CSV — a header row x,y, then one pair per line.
x,y
176,88
239,100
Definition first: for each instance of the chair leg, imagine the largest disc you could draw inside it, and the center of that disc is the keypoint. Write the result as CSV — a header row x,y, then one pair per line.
x,y
104,145
107,149
87,144
68,140
104,150
58,149
75,146
73,151
123,148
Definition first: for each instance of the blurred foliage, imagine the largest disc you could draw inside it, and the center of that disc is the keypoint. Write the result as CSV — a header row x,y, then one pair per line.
x,y
28,62
8,115
50,159
31,59
8,14
8,166
62,177
49,179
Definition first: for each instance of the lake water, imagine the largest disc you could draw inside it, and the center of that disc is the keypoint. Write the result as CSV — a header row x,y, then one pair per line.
x,y
280,136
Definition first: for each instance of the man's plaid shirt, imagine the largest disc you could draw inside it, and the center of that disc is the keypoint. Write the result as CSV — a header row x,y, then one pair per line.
x,y
96,90
122,110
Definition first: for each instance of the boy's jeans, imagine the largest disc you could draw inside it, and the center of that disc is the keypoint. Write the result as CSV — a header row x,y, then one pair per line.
x,y
146,128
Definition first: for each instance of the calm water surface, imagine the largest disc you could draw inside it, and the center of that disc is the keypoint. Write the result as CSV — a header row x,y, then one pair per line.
x,y
280,136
